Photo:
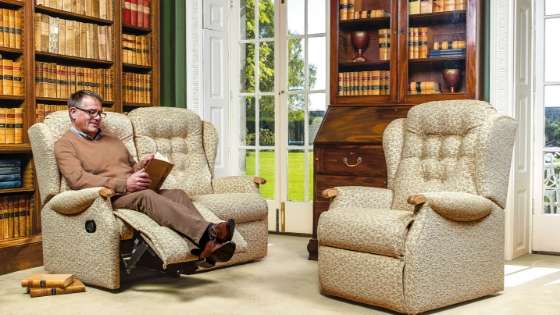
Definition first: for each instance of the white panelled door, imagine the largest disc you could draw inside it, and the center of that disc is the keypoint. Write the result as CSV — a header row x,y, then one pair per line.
x,y
546,216
215,76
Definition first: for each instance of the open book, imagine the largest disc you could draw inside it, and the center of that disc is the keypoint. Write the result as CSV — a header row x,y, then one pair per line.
x,y
158,169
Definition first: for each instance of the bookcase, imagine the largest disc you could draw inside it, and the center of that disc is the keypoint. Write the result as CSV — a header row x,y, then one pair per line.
x,y
49,49
387,56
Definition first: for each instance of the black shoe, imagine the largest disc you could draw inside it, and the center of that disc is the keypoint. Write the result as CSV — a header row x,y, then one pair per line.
x,y
214,251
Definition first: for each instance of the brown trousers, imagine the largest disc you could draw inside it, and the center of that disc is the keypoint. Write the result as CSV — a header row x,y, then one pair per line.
x,y
169,207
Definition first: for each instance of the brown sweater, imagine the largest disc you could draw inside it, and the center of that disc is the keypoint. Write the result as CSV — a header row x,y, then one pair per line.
x,y
104,162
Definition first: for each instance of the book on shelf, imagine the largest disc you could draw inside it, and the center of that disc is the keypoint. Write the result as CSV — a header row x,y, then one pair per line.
x,y
447,53
11,23
136,13
75,287
423,87
364,83
15,216
430,6
418,42
59,81
46,280
102,9
11,76
72,38
137,88
43,110
136,49
384,43
11,127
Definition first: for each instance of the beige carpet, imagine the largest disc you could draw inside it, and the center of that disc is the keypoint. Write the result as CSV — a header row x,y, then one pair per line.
x,y
285,282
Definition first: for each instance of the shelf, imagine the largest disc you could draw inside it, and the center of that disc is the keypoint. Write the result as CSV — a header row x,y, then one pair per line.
x,y
63,100
436,59
11,3
17,190
136,105
133,67
12,98
71,15
11,51
78,61
362,23
448,17
21,241
363,66
15,148
130,29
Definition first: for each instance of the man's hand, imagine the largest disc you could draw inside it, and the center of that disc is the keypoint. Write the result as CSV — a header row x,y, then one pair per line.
x,y
137,181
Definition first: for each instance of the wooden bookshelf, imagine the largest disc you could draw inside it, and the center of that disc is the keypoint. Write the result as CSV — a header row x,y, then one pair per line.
x,y
25,252
71,15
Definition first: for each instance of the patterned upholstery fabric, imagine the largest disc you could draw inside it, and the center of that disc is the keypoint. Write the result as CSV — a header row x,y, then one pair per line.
x,y
375,231
242,207
362,197
234,184
459,206
177,135
447,250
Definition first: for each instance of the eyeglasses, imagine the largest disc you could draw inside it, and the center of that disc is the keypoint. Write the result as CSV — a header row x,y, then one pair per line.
x,y
92,112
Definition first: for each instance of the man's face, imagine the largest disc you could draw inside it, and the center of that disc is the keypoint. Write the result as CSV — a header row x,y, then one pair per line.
x,y
84,121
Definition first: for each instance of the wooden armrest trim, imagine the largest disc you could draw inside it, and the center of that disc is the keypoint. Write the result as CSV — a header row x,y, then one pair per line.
x,y
106,192
259,180
416,200
329,193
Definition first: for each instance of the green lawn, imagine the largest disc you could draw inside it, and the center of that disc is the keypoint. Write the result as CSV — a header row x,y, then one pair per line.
x,y
295,173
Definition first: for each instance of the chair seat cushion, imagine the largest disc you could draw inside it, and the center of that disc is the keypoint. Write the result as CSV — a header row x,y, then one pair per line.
x,y
242,207
375,231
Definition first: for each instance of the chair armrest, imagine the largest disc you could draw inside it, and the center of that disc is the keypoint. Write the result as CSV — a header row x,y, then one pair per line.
x,y
456,206
237,184
359,197
73,202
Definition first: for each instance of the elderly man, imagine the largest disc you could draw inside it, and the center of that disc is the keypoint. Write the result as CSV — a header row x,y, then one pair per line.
x,y
88,158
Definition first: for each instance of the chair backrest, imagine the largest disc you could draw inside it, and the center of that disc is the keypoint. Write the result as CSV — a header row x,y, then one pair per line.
x,y
44,135
461,145
178,135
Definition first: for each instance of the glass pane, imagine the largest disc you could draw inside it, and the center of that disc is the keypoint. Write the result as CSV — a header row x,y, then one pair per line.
x,y
247,75
317,109
296,18
552,96
296,175
247,120
267,162
250,161
552,7
247,19
316,16
551,50
551,181
266,67
317,59
296,64
266,120
266,18
552,126
296,119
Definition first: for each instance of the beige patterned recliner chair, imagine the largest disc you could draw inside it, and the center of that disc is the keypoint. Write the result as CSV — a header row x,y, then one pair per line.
x,y
435,236
83,235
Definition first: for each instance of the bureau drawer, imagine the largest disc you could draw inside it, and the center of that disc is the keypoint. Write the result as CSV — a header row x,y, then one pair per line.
x,y
323,182
357,161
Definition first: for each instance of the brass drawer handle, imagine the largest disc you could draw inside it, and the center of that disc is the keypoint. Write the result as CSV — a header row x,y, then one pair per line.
x,y
358,162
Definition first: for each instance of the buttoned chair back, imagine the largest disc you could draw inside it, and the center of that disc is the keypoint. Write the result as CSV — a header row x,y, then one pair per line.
x,y
456,146
182,138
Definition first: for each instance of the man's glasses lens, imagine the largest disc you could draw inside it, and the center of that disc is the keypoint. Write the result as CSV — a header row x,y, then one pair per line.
x,y
93,113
